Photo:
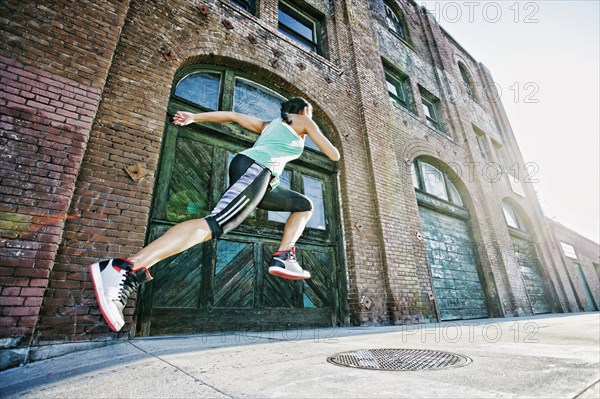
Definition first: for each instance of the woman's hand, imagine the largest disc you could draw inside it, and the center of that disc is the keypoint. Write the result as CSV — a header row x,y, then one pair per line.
x,y
183,118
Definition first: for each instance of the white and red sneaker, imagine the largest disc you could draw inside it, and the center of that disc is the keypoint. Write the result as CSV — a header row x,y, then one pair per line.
x,y
285,265
114,281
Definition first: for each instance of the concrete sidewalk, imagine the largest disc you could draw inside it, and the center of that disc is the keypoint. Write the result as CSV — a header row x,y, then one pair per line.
x,y
556,356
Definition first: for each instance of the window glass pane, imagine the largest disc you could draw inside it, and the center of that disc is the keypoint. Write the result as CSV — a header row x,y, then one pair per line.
x,y
252,99
313,189
226,252
307,302
308,142
499,153
481,143
285,180
296,23
415,177
454,195
243,4
311,47
467,80
510,216
427,110
230,156
465,76
393,21
392,88
200,88
397,88
434,181
390,23
515,185
568,250
402,94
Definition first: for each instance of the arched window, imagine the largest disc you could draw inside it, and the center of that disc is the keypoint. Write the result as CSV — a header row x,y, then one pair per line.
x,y
200,88
467,80
433,181
203,89
394,20
256,100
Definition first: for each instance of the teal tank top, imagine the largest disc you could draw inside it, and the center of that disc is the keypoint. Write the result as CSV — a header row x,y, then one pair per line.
x,y
277,145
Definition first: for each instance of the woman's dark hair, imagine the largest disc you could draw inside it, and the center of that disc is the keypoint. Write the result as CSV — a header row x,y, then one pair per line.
x,y
292,106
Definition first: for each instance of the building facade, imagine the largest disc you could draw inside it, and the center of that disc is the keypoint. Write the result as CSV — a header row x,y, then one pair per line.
x,y
427,217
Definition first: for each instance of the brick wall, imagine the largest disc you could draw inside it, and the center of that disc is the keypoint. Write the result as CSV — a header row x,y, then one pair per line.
x,y
53,65
45,124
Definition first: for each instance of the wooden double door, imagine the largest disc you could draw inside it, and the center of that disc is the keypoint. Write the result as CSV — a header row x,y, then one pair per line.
x,y
536,288
453,261
223,284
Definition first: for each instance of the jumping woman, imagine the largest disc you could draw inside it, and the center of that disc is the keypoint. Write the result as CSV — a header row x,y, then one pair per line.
x,y
254,182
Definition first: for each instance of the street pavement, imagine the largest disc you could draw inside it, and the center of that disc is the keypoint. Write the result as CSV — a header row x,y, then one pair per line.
x,y
549,356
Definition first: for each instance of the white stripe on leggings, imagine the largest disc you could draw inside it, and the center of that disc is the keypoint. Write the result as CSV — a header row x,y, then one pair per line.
x,y
234,209
240,185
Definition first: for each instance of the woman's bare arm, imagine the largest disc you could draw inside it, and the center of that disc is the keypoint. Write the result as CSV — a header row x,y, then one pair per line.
x,y
311,128
183,118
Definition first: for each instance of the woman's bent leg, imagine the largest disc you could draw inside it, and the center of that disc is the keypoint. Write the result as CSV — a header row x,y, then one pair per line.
x,y
283,263
293,229
177,239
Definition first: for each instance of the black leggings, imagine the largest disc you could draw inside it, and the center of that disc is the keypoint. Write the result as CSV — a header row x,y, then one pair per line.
x,y
248,189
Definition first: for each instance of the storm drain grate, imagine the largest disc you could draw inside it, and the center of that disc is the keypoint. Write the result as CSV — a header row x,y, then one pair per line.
x,y
399,359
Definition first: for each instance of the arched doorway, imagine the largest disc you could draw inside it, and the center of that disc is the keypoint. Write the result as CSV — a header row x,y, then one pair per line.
x,y
451,251
222,285
525,255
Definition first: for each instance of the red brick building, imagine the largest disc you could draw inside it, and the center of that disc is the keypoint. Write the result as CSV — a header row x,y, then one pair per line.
x,y
422,220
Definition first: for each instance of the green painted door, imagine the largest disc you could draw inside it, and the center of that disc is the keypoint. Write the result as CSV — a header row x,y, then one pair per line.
x,y
535,287
223,285
453,265
585,288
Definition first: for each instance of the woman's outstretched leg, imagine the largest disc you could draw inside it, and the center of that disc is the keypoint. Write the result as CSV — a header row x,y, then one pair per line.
x,y
115,279
177,239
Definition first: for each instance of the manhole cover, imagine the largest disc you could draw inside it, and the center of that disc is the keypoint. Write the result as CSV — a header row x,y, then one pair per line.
x,y
399,359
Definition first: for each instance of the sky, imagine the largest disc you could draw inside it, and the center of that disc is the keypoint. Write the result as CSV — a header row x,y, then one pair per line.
x,y
544,57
